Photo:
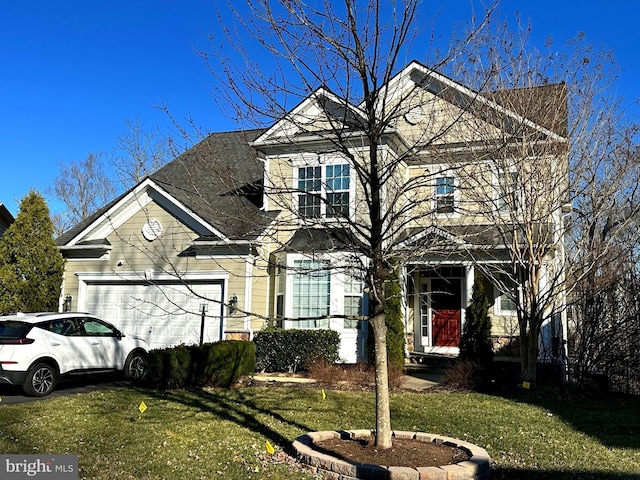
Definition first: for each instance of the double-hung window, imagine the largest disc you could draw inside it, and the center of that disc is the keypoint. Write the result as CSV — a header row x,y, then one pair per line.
x,y
445,194
353,289
506,300
338,182
310,186
311,293
324,191
508,192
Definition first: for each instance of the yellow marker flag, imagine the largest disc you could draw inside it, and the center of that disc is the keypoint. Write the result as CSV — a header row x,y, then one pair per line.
x,y
324,395
142,407
270,449
526,385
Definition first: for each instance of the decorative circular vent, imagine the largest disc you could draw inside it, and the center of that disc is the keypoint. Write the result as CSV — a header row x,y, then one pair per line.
x,y
152,229
414,115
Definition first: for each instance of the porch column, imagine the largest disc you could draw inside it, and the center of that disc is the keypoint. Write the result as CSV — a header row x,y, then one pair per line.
x,y
469,278
405,311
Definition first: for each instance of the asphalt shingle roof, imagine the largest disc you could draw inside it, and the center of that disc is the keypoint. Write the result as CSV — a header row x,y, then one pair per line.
x,y
219,179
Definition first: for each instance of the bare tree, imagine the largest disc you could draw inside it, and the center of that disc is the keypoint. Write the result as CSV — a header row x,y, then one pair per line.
x,y
138,153
568,159
87,185
342,57
83,187
604,322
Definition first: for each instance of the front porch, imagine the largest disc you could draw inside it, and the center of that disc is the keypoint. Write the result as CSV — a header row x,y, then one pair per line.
x,y
429,363
436,300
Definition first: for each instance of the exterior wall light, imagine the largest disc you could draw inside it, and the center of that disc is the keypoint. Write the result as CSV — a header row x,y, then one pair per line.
x,y
233,304
66,306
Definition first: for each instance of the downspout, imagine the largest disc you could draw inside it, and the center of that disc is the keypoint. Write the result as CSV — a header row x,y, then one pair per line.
x,y
248,294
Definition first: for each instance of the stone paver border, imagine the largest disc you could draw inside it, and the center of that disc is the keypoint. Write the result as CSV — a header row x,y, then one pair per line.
x,y
478,467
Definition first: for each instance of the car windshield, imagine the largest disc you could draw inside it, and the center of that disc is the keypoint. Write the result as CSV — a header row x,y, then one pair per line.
x,y
14,329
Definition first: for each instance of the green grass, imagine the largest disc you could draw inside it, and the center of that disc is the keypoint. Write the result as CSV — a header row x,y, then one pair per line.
x,y
222,433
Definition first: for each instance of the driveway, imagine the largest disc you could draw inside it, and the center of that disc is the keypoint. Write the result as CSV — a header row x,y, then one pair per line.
x,y
12,395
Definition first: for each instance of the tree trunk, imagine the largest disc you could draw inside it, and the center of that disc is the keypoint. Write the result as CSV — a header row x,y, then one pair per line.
x,y
529,355
532,354
383,412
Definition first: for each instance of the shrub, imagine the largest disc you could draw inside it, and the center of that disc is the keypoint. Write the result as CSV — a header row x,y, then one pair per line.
x,y
394,322
279,350
353,376
475,343
463,374
194,366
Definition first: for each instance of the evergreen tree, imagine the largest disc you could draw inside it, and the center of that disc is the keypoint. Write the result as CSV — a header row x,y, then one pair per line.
x,y
395,326
475,342
31,266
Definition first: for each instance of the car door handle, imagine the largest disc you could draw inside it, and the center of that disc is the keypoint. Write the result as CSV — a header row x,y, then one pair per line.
x,y
95,343
55,344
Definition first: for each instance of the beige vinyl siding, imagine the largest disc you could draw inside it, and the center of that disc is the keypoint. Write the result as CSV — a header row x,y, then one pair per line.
x,y
442,122
131,254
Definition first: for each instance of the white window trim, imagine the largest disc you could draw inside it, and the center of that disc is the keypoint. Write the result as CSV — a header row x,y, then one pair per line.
x,y
322,161
441,171
497,306
497,197
337,289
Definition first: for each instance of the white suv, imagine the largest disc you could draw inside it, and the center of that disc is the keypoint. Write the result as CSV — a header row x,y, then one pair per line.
x,y
36,349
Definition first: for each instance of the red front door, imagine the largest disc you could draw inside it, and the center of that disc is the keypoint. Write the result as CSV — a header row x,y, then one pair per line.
x,y
446,302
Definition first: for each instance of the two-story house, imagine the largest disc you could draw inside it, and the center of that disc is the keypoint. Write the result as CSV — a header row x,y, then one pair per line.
x,y
250,228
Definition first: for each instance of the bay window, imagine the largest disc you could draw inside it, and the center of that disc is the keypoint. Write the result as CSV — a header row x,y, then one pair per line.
x,y
311,293
353,289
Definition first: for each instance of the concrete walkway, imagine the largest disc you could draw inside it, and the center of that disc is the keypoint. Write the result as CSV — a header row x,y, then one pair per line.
x,y
420,381
415,381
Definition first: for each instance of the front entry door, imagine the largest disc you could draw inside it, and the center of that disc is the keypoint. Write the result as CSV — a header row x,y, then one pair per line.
x,y
446,302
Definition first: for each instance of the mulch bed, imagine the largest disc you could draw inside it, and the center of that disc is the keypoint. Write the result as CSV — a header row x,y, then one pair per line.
x,y
403,453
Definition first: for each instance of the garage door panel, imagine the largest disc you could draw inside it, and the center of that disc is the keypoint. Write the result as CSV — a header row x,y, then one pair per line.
x,y
164,315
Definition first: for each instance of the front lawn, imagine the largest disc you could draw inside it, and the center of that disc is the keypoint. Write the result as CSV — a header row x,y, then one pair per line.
x,y
222,433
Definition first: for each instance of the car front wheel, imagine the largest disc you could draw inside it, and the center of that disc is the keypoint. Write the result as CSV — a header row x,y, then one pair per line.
x,y
134,366
40,381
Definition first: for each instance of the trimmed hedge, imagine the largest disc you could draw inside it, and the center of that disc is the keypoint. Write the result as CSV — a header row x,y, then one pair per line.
x,y
279,350
194,366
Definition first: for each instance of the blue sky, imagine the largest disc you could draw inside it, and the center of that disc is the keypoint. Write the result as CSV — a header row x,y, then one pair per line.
x,y
72,71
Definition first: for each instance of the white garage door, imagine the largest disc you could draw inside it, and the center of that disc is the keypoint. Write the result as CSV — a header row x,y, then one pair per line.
x,y
164,315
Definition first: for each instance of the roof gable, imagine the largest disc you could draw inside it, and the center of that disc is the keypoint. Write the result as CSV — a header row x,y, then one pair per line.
x,y
214,188
103,223
323,113
504,110
319,113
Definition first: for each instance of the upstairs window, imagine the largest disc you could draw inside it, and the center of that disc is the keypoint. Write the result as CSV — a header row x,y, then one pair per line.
x,y
324,192
310,181
338,183
507,192
445,195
